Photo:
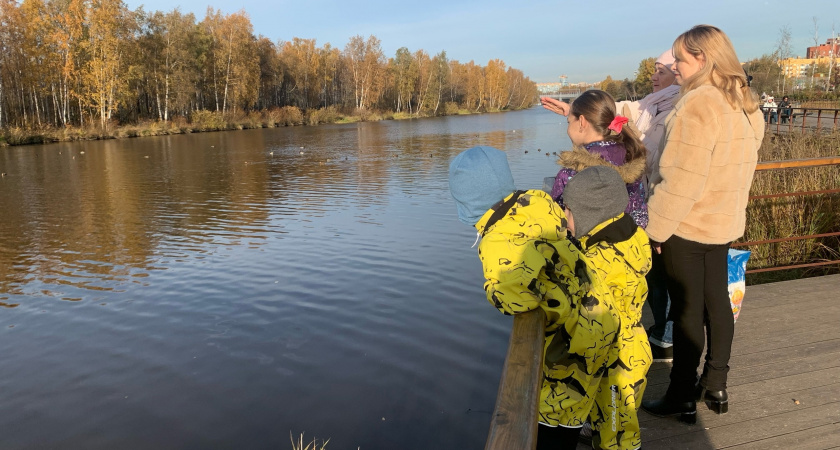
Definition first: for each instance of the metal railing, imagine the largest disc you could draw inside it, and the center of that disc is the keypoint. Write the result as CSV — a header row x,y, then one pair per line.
x,y
793,164
515,417
784,119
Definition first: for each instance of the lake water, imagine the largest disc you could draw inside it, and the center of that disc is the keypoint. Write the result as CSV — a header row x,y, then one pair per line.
x,y
226,290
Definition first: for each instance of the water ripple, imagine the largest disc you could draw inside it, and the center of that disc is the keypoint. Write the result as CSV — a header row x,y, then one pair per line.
x,y
256,293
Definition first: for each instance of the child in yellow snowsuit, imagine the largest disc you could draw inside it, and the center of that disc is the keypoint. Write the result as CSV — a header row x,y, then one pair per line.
x,y
618,253
529,263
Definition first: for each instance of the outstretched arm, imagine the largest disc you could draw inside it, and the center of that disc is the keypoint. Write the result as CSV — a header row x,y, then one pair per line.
x,y
555,106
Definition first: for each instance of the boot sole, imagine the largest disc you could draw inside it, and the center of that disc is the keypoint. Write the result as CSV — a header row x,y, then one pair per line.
x,y
718,407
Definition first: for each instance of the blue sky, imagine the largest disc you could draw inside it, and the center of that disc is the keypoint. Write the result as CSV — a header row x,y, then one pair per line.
x,y
585,39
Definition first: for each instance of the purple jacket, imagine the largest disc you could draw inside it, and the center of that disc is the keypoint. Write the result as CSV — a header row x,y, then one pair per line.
x,y
606,153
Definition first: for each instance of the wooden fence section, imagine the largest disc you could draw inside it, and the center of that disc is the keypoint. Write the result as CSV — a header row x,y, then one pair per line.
x,y
514,421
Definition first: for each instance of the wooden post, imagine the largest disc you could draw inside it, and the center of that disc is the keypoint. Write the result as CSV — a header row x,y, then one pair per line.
x,y
515,417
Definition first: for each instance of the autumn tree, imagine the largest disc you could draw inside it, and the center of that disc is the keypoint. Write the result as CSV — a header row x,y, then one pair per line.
x,y
302,61
110,27
612,87
765,71
270,73
67,44
438,80
329,70
404,73
12,63
233,64
167,44
476,86
522,92
422,66
365,63
643,84
497,87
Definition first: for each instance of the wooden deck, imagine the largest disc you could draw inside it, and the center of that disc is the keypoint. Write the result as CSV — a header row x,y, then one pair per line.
x,y
784,383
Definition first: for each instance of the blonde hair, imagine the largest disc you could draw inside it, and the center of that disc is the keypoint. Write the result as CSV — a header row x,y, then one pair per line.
x,y
721,68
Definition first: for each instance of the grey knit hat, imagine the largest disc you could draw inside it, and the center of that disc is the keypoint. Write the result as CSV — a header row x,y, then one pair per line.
x,y
594,195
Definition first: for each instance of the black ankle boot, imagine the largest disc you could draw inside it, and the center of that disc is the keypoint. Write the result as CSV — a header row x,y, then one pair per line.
x,y
667,407
717,401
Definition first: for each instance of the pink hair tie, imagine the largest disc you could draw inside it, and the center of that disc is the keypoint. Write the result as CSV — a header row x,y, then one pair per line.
x,y
617,124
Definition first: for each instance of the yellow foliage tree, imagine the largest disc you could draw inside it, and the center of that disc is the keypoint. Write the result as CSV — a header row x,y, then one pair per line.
x,y
109,27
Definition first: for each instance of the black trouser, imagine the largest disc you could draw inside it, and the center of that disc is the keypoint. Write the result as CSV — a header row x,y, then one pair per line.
x,y
657,281
557,438
697,283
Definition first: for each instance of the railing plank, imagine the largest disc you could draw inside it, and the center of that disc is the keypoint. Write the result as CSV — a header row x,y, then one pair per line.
x,y
515,418
798,163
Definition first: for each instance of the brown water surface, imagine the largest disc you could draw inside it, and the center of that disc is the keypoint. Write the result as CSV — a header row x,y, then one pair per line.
x,y
221,290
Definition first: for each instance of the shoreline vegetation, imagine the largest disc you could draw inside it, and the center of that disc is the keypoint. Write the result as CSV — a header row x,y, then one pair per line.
x,y
203,121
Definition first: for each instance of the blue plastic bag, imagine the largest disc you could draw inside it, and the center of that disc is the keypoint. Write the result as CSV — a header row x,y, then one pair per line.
x,y
737,267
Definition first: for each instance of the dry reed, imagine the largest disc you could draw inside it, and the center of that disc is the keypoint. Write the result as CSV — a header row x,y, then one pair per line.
x,y
313,445
795,216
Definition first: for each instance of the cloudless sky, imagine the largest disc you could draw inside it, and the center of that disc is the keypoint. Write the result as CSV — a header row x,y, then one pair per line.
x,y
583,39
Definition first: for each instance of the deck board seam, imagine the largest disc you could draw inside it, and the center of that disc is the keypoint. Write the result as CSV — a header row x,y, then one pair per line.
x,y
778,436
702,428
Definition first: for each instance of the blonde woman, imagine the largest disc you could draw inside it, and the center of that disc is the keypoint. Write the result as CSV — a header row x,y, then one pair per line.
x,y
698,207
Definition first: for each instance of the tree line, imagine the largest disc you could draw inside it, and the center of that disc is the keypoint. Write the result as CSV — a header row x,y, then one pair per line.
x,y
95,62
634,89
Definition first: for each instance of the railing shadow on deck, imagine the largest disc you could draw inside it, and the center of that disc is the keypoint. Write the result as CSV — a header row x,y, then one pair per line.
x,y
515,417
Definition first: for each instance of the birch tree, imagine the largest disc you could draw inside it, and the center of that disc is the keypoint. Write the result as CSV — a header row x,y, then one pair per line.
x,y
366,66
109,27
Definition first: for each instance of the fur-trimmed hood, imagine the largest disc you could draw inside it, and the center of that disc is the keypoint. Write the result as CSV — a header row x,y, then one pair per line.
x,y
579,158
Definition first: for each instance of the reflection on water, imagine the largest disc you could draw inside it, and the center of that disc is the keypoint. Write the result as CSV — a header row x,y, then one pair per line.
x,y
221,290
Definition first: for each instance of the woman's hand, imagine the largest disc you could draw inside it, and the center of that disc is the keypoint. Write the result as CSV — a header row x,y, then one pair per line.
x,y
656,246
555,106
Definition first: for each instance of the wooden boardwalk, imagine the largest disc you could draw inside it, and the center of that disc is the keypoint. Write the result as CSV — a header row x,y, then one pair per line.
x,y
784,382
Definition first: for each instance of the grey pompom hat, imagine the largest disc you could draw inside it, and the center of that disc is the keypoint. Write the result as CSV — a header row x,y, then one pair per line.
x,y
594,195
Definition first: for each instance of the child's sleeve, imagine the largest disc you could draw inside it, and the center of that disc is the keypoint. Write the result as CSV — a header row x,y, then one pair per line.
x,y
560,182
511,273
517,278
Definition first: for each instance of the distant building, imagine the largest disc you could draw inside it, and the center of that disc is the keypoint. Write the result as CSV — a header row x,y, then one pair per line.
x,y
797,67
553,88
549,88
829,49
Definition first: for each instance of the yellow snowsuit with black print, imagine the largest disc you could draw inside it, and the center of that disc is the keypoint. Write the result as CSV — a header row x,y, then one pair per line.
x,y
618,252
529,263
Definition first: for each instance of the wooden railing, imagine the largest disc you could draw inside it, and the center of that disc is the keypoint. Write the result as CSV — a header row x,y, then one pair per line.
x,y
515,417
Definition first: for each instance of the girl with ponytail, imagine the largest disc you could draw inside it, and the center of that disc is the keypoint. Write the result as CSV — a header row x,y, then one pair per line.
x,y
602,138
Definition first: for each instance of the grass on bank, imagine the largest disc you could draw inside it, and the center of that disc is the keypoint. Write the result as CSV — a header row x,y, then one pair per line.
x,y
205,120
795,216
300,444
